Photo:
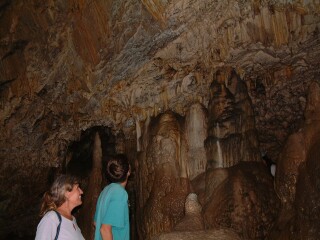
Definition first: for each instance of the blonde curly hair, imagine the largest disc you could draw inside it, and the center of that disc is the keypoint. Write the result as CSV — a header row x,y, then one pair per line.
x,y
55,197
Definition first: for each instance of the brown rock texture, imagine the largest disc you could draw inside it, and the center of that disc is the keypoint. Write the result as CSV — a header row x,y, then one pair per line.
x,y
297,179
195,134
193,220
93,191
231,129
68,66
221,234
296,150
163,184
242,198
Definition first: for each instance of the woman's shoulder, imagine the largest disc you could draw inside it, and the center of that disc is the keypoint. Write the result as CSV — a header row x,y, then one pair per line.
x,y
117,189
51,215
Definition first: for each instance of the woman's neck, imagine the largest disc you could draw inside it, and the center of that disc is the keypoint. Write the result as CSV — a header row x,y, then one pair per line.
x,y
65,211
123,184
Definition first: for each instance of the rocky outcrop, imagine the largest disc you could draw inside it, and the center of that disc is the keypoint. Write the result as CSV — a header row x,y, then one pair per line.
x,y
297,177
296,150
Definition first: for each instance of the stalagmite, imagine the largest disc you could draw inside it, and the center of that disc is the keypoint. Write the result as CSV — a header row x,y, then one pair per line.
x,y
193,220
162,176
138,132
93,191
69,66
196,133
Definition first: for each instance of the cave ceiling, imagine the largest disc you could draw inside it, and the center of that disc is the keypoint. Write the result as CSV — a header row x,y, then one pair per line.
x,y
67,66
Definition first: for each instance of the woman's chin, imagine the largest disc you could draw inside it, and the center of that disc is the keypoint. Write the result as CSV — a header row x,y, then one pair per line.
x,y
79,202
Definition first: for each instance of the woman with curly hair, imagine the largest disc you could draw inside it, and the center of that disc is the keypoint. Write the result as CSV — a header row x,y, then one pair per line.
x,y
57,205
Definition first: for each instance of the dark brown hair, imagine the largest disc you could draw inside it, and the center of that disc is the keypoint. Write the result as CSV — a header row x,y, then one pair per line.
x,y
55,197
117,168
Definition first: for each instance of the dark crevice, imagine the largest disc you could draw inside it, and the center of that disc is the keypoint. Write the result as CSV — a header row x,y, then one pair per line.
x,y
81,162
17,46
3,84
3,6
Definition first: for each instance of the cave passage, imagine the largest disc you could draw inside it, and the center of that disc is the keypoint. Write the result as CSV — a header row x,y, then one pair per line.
x,y
86,159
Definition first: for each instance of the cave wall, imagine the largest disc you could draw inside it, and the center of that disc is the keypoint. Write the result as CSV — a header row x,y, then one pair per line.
x,y
297,177
238,191
69,65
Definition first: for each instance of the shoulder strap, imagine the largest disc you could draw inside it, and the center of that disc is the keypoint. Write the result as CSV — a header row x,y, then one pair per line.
x,y
58,228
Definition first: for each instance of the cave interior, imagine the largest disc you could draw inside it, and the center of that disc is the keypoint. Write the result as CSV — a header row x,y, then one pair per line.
x,y
203,97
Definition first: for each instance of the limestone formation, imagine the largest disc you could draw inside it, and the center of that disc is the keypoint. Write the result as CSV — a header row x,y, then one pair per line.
x,y
295,151
237,70
234,200
193,220
163,183
297,177
231,129
196,133
93,190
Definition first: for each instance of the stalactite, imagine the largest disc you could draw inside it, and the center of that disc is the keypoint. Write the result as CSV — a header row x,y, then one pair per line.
x,y
232,133
219,151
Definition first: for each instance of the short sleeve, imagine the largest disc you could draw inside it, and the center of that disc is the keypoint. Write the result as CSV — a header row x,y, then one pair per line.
x,y
95,217
47,228
116,214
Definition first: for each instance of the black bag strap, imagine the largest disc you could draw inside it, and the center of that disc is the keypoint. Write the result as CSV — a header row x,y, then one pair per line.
x,y
58,228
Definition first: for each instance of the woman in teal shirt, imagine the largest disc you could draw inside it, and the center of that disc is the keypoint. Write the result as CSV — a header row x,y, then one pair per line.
x,y
112,213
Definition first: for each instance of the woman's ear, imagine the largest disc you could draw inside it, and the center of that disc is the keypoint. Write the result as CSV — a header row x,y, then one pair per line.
x,y
67,195
129,172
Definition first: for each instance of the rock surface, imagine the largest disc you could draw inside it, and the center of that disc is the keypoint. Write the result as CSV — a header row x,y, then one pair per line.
x,y
221,234
68,66
297,178
193,219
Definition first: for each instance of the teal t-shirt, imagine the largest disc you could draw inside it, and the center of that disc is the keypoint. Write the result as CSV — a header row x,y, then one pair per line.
x,y
112,208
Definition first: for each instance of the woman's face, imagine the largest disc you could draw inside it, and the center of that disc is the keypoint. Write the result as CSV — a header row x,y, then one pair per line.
x,y
74,196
